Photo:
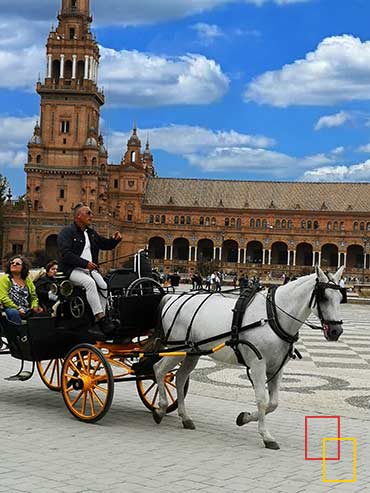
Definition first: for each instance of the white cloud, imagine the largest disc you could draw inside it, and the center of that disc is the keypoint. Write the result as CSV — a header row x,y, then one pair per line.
x,y
126,12
338,71
19,69
14,135
365,148
207,33
186,139
338,150
356,172
132,78
335,120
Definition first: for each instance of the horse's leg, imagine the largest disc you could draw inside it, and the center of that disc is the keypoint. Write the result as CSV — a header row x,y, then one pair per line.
x,y
274,387
161,368
188,365
258,376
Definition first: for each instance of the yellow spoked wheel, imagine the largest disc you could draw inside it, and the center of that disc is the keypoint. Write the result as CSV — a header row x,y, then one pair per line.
x,y
148,391
87,383
50,373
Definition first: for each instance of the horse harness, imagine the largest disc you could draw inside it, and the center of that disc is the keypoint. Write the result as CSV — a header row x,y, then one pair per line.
x,y
244,300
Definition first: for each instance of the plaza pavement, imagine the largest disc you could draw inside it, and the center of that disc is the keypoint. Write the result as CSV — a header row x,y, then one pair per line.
x,y
44,449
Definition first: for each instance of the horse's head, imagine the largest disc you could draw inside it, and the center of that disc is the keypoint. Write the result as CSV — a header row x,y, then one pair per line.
x,y
325,300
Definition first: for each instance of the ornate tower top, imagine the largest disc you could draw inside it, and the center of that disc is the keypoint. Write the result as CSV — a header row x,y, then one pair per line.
x,y
76,8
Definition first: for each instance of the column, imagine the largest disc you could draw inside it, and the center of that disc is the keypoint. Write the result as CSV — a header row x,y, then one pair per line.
x,y
319,259
165,252
269,254
313,259
195,253
189,253
91,68
288,262
364,260
265,258
96,72
239,255
214,253
74,66
339,256
171,252
220,254
62,66
86,74
345,259
49,65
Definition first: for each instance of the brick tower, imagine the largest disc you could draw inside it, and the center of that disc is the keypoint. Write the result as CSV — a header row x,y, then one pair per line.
x,y
67,160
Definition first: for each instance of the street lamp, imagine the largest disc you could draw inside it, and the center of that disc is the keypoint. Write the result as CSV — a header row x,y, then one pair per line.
x,y
28,210
365,239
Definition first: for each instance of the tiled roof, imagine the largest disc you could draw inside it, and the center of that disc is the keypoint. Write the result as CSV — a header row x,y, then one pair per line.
x,y
190,193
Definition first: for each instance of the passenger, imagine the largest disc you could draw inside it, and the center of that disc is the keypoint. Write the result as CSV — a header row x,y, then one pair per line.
x,y
79,246
17,291
44,286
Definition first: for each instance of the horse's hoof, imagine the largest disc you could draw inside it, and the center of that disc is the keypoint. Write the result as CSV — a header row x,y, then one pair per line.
x,y
272,445
188,424
240,419
157,417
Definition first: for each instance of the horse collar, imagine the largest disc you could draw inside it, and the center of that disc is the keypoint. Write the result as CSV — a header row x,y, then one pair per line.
x,y
274,321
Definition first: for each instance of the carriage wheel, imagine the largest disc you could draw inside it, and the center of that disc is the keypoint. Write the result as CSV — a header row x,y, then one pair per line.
x,y
144,286
50,373
87,383
148,391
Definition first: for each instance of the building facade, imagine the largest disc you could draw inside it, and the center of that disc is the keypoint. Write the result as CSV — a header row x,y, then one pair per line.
x,y
261,228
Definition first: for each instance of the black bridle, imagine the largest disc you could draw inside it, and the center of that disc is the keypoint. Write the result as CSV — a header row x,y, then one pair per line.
x,y
318,296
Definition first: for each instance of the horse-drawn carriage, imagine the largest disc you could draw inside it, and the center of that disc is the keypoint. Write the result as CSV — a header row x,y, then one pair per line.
x,y
71,361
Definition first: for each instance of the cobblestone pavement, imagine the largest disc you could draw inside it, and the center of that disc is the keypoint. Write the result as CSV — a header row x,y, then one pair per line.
x,y
44,449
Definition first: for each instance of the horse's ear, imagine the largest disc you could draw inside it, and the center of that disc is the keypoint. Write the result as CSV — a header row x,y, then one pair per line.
x,y
320,274
337,276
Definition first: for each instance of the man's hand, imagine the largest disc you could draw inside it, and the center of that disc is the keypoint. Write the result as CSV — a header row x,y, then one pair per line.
x,y
117,236
91,266
38,309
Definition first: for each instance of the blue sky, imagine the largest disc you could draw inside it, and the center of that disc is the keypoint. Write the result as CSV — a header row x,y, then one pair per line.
x,y
226,89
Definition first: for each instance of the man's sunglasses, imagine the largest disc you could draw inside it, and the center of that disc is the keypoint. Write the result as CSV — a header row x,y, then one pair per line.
x,y
15,263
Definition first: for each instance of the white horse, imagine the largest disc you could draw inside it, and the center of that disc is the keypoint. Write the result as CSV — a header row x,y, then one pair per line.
x,y
261,349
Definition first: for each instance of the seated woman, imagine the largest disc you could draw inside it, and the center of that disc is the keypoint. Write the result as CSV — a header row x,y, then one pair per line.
x,y
17,291
43,286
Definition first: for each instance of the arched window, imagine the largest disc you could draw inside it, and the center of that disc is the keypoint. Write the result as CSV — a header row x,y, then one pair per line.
x,y
182,219
367,226
238,223
213,221
251,223
133,157
283,224
335,226
342,226
227,221
232,222
38,159
258,223
30,158
176,220
309,224
303,224
277,223
207,221
355,226
362,226
315,225
328,226
264,223
188,220
93,162
290,224
201,221
157,219
163,219
151,219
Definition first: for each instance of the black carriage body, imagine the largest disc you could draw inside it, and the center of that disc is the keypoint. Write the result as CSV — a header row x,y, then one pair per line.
x,y
44,338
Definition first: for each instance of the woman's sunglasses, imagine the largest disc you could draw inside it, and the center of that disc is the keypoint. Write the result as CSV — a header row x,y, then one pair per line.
x,y
15,263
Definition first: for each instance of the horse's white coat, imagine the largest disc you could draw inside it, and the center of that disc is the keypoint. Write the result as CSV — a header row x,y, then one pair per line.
x,y
215,317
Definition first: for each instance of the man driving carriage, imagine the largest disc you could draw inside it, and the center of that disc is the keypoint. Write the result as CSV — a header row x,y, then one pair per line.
x,y
78,246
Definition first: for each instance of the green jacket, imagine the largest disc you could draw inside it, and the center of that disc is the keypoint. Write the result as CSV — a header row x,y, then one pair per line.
x,y
5,285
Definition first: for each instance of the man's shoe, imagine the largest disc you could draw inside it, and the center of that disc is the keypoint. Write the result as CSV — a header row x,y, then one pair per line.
x,y
97,333
107,326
